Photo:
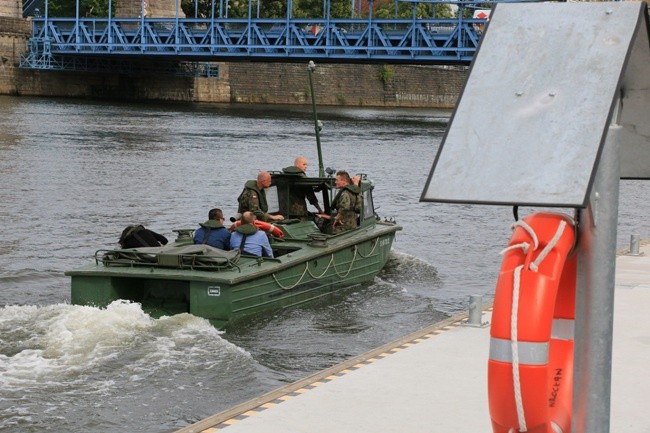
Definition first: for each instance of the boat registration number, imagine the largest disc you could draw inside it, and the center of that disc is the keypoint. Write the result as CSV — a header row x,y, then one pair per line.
x,y
214,291
384,242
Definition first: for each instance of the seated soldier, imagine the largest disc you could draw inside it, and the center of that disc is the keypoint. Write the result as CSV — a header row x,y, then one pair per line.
x,y
212,232
249,239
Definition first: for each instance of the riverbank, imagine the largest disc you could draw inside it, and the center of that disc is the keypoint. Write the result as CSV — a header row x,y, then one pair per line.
x,y
352,85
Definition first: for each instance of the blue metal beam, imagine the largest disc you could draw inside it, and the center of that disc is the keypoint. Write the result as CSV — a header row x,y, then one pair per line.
x,y
350,40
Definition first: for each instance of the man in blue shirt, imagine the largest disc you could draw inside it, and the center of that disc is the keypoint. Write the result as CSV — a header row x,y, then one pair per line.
x,y
212,232
256,243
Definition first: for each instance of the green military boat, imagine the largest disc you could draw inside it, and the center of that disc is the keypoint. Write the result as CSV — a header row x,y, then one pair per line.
x,y
309,261
225,285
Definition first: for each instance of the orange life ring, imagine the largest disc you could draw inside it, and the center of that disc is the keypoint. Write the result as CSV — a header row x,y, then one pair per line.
x,y
268,228
530,370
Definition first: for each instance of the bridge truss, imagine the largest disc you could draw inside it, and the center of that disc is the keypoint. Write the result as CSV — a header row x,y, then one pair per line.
x,y
96,43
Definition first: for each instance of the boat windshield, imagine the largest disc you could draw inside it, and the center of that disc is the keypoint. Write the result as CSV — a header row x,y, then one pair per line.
x,y
272,199
368,205
289,189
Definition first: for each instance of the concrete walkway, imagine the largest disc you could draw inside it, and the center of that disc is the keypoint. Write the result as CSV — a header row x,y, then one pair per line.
x,y
435,380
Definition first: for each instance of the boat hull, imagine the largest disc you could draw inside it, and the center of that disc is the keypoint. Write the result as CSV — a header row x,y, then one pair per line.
x,y
305,272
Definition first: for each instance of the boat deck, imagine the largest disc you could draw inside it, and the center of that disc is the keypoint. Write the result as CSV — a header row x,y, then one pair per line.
x,y
435,380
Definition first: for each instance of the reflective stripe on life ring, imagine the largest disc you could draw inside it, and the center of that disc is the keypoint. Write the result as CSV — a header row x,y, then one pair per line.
x,y
530,370
268,228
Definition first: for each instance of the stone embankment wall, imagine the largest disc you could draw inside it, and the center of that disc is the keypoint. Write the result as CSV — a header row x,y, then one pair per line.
x,y
11,8
243,82
347,84
13,42
152,8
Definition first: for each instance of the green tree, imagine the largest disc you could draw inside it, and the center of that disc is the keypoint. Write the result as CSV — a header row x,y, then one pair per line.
x,y
308,9
267,8
405,10
273,9
87,8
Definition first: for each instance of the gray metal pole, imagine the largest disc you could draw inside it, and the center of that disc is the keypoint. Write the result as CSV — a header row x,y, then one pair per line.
x,y
311,67
635,241
595,295
475,310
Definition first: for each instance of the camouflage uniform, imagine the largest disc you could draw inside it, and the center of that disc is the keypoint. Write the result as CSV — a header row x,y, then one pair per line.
x,y
298,194
348,203
253,199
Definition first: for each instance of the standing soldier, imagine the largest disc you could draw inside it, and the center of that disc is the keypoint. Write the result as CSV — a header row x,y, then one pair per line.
x,y
253,198
298,194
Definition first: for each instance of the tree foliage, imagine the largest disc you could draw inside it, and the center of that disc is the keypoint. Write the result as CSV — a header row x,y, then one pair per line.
x,y
87,8
266,8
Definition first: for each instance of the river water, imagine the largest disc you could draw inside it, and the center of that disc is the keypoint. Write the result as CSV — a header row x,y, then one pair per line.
x,y
75,173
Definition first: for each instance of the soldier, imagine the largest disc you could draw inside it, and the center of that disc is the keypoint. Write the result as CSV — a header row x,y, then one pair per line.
x,y
348,202
248,239
212,232
298,194
253,198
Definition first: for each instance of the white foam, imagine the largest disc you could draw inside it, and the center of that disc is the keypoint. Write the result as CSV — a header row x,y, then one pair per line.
x,y
47,346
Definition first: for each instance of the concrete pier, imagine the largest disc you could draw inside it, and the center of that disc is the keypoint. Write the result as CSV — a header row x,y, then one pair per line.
x,y
435,380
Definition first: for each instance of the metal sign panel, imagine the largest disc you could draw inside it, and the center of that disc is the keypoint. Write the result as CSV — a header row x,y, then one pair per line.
x,y
530,124
635,108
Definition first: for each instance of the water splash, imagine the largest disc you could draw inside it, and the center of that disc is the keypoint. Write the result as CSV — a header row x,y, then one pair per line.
x,y
405,269
62,343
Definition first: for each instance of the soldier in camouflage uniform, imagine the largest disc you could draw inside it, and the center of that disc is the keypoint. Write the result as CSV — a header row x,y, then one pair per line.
x,y
348,202
298,194
253,198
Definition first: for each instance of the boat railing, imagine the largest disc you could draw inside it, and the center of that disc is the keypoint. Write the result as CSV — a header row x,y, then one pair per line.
x,y
193,257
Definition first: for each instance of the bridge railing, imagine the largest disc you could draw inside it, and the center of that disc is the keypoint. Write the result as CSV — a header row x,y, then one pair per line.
x,y
386,40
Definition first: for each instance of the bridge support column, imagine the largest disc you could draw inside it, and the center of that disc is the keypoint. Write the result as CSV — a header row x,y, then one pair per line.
x,y
152,8
11,8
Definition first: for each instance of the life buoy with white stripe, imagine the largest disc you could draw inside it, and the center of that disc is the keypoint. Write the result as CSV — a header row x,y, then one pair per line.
x,y
268,228
530,370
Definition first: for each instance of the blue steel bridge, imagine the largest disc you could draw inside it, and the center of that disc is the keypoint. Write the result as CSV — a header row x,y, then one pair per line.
x,y
120,44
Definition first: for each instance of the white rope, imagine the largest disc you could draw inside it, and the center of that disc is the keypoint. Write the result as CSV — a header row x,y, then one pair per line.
x,y
330,264
529,230
560,229
371,251
326,268
297,282
515,349
524,246
351,264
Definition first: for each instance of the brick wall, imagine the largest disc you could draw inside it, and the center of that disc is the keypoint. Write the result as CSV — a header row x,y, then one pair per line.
x,y
152,9
15,26
13,43
104,86
346,84
11,8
